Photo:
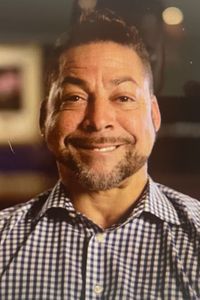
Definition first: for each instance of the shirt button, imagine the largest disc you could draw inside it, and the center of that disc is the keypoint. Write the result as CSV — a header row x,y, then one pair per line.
x,y
98,289
100,237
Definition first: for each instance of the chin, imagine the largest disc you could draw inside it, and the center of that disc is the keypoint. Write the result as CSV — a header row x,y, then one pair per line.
x,y
100,178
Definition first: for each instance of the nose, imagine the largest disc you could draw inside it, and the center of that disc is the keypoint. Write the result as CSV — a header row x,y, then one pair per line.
x,y
100,115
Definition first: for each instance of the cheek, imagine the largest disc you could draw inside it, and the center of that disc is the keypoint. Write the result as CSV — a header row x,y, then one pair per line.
x,y
139,125
61,125
132,122
67,121
147,134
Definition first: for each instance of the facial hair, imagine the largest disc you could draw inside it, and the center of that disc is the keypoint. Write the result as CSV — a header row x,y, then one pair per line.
x,y
95,181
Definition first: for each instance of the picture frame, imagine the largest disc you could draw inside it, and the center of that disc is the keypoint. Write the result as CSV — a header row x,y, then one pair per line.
x,y
20,93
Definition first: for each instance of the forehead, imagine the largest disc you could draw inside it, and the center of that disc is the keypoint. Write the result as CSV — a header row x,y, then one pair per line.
x,y
101,56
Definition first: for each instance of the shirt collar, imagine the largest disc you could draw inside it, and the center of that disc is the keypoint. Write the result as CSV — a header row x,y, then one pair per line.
x,y
155,203
158,204
56,199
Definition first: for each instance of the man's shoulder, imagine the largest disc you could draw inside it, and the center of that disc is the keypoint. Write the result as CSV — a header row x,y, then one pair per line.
x,y
185,205
21,210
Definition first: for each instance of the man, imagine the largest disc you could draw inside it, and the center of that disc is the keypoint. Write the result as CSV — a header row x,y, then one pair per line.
x,y
106,230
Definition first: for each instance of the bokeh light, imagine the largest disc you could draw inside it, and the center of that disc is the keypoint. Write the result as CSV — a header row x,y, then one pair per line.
x,y
172,16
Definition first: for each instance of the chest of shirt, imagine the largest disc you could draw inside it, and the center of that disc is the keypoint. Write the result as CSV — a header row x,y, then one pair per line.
x,y
138,260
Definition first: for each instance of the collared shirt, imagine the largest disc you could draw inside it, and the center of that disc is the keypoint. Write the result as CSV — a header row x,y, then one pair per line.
x,y
48,251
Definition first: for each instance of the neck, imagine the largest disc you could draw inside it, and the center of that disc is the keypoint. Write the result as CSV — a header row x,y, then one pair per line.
x,y
109,207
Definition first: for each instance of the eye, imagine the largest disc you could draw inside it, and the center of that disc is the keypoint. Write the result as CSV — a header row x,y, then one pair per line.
x,y
126,99
72,98
72,101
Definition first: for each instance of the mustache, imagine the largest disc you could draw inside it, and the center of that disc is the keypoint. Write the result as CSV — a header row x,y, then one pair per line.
x,y
81,141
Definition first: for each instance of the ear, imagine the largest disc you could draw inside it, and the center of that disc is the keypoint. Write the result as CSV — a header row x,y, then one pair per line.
x,y
43,114
155,112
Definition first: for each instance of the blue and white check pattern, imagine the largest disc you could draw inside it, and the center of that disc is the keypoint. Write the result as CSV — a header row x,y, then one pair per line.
x,y
50,252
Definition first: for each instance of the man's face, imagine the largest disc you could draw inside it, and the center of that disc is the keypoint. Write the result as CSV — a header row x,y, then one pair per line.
x,y
101,118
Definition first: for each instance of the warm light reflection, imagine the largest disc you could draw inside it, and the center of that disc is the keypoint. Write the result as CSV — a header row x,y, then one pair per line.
x,y
172,16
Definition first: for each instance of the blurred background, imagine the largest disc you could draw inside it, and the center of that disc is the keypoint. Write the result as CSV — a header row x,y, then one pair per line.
x,y
28,28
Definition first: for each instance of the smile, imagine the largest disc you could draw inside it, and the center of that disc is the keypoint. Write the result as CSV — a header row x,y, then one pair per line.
x,y
98,148
105,149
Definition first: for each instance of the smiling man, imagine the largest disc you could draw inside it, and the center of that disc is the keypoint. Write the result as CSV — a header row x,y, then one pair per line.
x,y
106,230
101,123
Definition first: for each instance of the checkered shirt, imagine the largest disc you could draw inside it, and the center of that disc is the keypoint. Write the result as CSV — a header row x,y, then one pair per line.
x,y
48,251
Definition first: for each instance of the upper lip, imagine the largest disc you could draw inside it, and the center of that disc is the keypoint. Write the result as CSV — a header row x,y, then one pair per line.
x,y
93,146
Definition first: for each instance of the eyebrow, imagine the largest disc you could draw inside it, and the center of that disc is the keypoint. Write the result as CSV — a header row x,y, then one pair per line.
x,y
73,80
120,80
82,83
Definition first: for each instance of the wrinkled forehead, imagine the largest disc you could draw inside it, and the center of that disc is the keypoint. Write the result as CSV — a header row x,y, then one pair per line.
x,y
100,55
110,59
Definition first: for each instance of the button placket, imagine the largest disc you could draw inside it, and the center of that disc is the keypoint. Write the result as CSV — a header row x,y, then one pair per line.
x,y
100,237
94,271
98,289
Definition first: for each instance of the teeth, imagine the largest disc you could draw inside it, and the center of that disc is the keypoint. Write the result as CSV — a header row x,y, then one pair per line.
x,y
106,149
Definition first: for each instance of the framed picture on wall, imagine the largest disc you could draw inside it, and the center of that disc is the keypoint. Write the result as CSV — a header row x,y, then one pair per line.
x,y
20,93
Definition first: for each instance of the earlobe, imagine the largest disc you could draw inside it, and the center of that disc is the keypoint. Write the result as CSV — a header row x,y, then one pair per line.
x,y
155,111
